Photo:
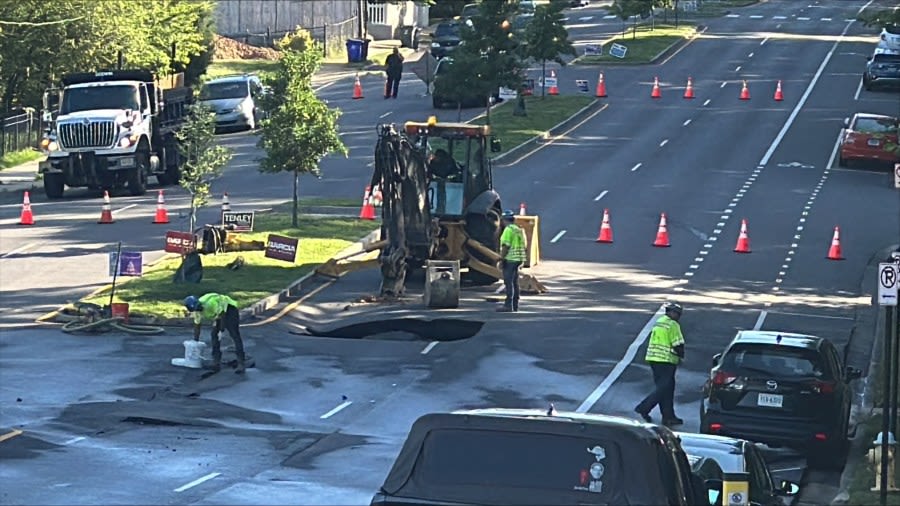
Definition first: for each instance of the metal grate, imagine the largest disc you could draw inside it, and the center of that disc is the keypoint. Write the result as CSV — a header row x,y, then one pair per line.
x,y
96,134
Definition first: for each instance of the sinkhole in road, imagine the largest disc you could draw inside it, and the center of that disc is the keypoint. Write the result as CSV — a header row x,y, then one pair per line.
x,y
439,329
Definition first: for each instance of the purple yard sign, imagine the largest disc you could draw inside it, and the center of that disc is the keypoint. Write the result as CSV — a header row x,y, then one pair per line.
x,y
282,248
129,262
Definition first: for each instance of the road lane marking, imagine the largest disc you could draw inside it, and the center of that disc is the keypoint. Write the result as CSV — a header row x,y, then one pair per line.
x,y
11,434
825,19
119,210
621,365
558,236
779,17
778,26
756,16
764,41
760,320
585,18
602,194
750,55
707,102
337,409
805,96
385,115
858,89
686,122
20,249
802,19
430,347
610,16
74,440
834,151
732,15
563,135
664,142
636,167
198,481
725,82
736,69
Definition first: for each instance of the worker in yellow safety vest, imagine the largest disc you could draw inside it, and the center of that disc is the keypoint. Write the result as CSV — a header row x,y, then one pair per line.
x,y
222,310
513,252
664,352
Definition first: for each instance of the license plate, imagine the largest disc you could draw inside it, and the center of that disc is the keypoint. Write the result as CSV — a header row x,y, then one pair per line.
x,y
126,162
874,142
770,400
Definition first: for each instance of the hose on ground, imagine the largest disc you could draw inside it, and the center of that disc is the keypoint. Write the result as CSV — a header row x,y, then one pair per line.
x,y
108,324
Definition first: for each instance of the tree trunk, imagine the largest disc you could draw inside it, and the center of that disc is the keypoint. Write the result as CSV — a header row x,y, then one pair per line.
x,y
295,222
543,78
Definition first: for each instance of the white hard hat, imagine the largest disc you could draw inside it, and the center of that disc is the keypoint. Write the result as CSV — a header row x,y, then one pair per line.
x,y
880,439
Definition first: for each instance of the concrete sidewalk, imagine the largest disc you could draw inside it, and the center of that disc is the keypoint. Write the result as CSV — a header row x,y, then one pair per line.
x,y
20,178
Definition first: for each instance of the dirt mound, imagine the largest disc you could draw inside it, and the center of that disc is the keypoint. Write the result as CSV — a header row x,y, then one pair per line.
x,y
230,49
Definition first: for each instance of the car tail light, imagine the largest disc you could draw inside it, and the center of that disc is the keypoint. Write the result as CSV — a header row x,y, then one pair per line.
x,y
823,387
715,427
821,436
723,378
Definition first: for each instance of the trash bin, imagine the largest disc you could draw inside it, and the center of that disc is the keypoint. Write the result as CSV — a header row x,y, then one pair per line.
x,y
409,36
355,50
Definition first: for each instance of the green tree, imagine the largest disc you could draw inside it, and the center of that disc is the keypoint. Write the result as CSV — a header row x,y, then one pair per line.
x,y
547,38
301,129
630,9
880,18
203,161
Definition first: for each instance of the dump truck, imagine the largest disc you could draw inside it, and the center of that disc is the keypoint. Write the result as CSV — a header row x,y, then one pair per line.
x,y
437,203
112,129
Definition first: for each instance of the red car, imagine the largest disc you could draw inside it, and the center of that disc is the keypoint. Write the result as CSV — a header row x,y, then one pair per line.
x,y
868,137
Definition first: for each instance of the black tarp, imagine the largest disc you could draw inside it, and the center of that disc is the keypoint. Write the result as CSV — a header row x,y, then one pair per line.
x,y
491,460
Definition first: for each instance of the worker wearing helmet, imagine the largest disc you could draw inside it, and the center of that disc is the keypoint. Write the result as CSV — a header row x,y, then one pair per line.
x,y
664,352
512,256
222,310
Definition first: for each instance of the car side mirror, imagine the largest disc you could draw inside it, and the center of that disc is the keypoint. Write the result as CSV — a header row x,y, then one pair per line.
x,y
846,122
495,145
716,358
788,488
852,373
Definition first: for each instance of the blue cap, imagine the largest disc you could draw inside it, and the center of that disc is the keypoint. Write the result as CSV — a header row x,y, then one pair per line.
x,y
191,303
509,215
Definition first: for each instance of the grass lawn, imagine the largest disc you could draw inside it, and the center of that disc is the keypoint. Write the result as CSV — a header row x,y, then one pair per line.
x,y
864,476
643,45
154,294
14,158
220,68
543,114
328,202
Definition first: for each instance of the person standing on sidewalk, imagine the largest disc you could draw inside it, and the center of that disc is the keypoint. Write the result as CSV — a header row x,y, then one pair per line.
x,y
512,256
664,353
394,69
223,311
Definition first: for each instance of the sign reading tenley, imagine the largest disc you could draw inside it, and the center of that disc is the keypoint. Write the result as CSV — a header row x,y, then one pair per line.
x,y
282,248
234,221
888,283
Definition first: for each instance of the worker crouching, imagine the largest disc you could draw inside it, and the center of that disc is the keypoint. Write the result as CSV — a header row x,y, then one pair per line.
x,y
222,310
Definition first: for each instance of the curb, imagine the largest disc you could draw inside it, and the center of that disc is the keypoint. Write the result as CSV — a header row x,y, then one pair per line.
x,y
665,53
555,130
866,407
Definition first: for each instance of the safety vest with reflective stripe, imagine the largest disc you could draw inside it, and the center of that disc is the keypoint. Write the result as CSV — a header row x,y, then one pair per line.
x,y
664,337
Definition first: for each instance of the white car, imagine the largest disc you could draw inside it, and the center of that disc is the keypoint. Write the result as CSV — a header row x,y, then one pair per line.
x,y
890,37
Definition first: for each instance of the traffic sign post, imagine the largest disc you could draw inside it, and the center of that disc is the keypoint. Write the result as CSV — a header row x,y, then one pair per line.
x,y
887,283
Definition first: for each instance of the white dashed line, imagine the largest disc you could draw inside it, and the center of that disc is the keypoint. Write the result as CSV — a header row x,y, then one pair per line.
x,y
385,115
725,83
760,320
610,16
779,17
733,16
736,69
825,19
558,236
430,347
337,409
778,26
74,440
20,249
119,210
636,167
664,142
707,102
756,16
763,42
686,122
585,18
196,482
750,55
602,194
802,19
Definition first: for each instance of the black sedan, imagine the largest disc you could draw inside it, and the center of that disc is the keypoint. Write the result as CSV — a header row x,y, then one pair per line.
x,y
737,456
781,389
445,40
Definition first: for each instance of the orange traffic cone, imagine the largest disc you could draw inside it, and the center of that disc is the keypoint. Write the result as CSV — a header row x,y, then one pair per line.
x,y
357,89
606,234
601,87
662,234
743,242
26,218
655,93
745,92
162,216
368,210
106,212
522,211
834,252
554,90
689,91
226,204
779,96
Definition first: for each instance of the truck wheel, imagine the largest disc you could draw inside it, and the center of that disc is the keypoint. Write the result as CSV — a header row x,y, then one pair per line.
x,y
484,228
137,180
169,177
54,185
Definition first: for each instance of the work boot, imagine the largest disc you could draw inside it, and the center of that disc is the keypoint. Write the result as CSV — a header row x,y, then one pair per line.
x,y
671,422
240,367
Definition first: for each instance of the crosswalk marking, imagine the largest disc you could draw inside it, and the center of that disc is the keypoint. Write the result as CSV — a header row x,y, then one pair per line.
x,y
756,16
733,16
825,19
802,19
610,16
779,17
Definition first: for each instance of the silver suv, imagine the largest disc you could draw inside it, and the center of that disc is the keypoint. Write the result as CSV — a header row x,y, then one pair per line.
x,y
234,100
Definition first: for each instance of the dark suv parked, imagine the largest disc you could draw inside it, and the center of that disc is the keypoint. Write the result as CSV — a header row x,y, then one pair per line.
x,y
781,389
882,69
528,457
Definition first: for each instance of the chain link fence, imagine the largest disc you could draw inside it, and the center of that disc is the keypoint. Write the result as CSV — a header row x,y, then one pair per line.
x,y
332,37
20,130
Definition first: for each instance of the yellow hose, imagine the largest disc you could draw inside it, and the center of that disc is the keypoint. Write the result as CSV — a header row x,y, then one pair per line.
x,y
108,324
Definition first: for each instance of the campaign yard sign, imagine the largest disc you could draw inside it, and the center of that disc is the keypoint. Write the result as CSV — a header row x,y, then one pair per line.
x,y
129,263
234,221
282,248
179,242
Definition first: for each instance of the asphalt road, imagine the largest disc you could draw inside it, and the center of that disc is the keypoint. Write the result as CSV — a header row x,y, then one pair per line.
x,y
108,420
